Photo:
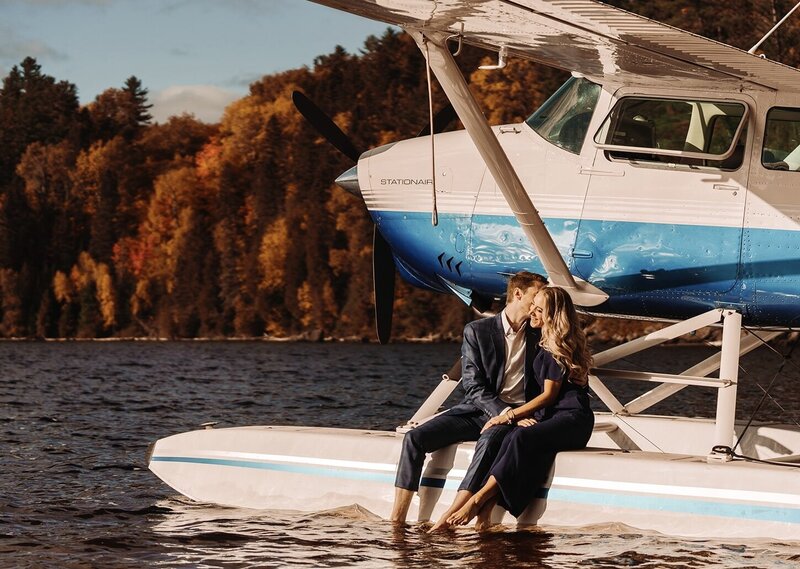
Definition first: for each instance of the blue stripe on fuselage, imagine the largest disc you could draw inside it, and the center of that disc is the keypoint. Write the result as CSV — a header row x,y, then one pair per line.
x,y
649,269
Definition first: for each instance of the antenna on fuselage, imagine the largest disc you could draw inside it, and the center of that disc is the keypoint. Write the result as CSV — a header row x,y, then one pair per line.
x,y
775,27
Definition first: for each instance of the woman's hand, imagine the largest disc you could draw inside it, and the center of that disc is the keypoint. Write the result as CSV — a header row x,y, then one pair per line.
x,y
527,422
498,420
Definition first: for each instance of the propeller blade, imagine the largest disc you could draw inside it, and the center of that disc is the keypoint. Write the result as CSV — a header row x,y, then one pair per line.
x,y
481,304
383,273
325,126
441,119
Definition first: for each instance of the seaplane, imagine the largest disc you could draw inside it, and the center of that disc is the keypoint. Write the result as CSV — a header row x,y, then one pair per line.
x,y
661,181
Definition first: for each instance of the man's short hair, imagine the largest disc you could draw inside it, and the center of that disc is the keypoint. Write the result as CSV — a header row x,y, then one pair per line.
x,y
524,280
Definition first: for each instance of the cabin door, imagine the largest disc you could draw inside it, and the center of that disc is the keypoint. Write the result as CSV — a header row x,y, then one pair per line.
x,y
663,234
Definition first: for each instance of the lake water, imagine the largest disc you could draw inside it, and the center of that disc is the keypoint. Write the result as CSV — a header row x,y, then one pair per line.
x,y
76,419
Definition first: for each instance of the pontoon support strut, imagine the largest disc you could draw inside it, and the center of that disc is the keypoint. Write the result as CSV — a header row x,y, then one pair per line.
x,y
726,396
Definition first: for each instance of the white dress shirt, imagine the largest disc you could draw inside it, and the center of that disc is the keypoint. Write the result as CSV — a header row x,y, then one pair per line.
x,y
512,390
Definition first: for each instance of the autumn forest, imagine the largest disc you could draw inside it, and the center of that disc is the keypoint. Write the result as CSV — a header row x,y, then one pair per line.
x,y
112,225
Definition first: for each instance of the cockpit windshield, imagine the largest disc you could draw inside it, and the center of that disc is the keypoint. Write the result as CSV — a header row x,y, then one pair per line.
x,y
564,118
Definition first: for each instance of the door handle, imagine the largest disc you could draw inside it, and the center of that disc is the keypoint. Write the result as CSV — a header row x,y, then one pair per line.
x,y
593,172
581,254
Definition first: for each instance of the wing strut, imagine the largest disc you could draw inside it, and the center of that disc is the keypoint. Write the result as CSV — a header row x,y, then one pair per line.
x,y
456,89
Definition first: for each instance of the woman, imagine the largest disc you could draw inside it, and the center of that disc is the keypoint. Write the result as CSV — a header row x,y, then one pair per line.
x,y
558,419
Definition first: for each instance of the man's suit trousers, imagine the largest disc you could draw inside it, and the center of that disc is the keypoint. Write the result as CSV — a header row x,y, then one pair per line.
x,y
445,430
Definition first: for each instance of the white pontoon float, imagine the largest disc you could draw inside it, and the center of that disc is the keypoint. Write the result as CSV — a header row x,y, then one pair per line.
x,y
650,472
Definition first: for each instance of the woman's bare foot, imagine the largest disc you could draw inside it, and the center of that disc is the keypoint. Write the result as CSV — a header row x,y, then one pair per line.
x,y
465,514
441,524
484,521
462,497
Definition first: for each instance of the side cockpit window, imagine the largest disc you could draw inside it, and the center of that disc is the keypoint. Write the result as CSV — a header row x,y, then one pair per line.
x,y
651,124
564,118
781,149
684,132
723,135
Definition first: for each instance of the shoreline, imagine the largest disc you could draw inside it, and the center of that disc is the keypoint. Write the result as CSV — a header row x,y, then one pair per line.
x,y
678,343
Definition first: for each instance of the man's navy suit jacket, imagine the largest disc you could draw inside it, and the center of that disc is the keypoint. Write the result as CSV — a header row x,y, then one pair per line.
x,y
483,355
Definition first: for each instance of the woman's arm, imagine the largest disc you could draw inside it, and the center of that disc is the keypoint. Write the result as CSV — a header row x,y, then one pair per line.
x,y
546,398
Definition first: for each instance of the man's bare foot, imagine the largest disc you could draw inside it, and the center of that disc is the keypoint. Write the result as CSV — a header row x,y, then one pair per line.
x,y
402,502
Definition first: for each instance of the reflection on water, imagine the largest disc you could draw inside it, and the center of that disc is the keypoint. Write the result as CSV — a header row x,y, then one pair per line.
x,y
197,535
76,419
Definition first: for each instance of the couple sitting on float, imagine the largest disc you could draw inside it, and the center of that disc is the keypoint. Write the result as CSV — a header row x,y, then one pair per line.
x,y
525,374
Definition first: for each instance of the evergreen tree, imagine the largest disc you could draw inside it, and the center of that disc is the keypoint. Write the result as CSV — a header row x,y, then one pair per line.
x,y
33,108
120,111
137,99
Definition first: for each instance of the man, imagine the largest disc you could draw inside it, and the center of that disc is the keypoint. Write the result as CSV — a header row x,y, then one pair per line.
x,y
496,358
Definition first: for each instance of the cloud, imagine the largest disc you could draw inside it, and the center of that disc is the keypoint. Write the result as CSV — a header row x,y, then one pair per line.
x,y
19,50
61,3
205,102
13,48
180,52
243,80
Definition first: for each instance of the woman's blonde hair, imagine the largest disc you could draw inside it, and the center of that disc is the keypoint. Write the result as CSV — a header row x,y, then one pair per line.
x,y
562,334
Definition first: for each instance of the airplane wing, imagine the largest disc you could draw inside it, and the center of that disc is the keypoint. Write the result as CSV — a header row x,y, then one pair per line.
x,y
608,45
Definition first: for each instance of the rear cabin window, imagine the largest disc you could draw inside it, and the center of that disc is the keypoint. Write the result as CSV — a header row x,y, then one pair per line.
x,y
688,132
782,140
564,118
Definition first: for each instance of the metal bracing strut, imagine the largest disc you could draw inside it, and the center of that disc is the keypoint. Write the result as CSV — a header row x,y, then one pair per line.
x,y
727,361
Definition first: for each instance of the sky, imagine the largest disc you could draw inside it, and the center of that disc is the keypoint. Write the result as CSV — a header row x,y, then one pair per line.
x,y
194,56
